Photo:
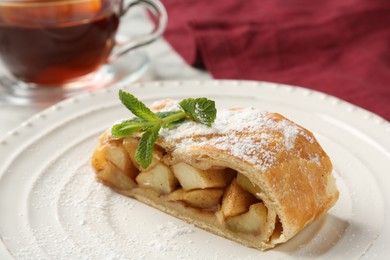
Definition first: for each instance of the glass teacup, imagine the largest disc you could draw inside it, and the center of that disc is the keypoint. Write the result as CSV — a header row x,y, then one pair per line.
x,y
52,47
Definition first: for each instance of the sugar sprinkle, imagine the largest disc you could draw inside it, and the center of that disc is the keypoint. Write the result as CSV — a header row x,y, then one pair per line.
x,y
167,236
233,131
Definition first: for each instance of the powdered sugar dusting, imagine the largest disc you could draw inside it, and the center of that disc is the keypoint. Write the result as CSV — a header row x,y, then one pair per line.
x,y
316,159
167,236
250,134
290,133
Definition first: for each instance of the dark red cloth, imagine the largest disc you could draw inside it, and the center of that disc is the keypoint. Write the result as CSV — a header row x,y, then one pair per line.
x,y
340,47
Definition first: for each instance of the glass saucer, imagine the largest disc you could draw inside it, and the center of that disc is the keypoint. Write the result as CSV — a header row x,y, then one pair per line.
x,y
130,69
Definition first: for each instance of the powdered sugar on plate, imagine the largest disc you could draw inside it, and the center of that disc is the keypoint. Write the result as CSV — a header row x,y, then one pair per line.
x,y
167,235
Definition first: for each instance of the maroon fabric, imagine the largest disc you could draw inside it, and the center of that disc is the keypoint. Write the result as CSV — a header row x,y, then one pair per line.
x,y
338,47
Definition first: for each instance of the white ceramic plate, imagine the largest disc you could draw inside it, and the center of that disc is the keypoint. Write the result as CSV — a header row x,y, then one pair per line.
x,y
51,207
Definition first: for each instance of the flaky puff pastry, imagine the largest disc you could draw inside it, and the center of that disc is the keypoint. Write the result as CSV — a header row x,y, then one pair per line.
x,y
289,173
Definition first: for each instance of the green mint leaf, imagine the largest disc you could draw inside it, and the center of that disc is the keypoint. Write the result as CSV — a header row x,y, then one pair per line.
x,y
144,152
126,128
136,107
136,120
201,110
173,122
165,114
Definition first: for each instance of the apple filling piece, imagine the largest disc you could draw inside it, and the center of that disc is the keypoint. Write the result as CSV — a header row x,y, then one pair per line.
x,y
228,198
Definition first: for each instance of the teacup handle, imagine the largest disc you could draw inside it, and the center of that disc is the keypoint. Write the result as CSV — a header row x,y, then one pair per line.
x,y
158,11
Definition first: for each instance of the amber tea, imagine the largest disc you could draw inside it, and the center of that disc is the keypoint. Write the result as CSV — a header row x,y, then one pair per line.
x,y
55,43
57,48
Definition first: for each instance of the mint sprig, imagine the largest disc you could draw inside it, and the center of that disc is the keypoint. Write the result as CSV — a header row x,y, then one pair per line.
x,y
201,110
136,107
145,148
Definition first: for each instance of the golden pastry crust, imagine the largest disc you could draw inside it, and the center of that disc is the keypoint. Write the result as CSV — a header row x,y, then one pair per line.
x,y
291,172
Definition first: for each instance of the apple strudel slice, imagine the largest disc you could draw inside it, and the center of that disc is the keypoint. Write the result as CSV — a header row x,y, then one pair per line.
x,y
254,177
